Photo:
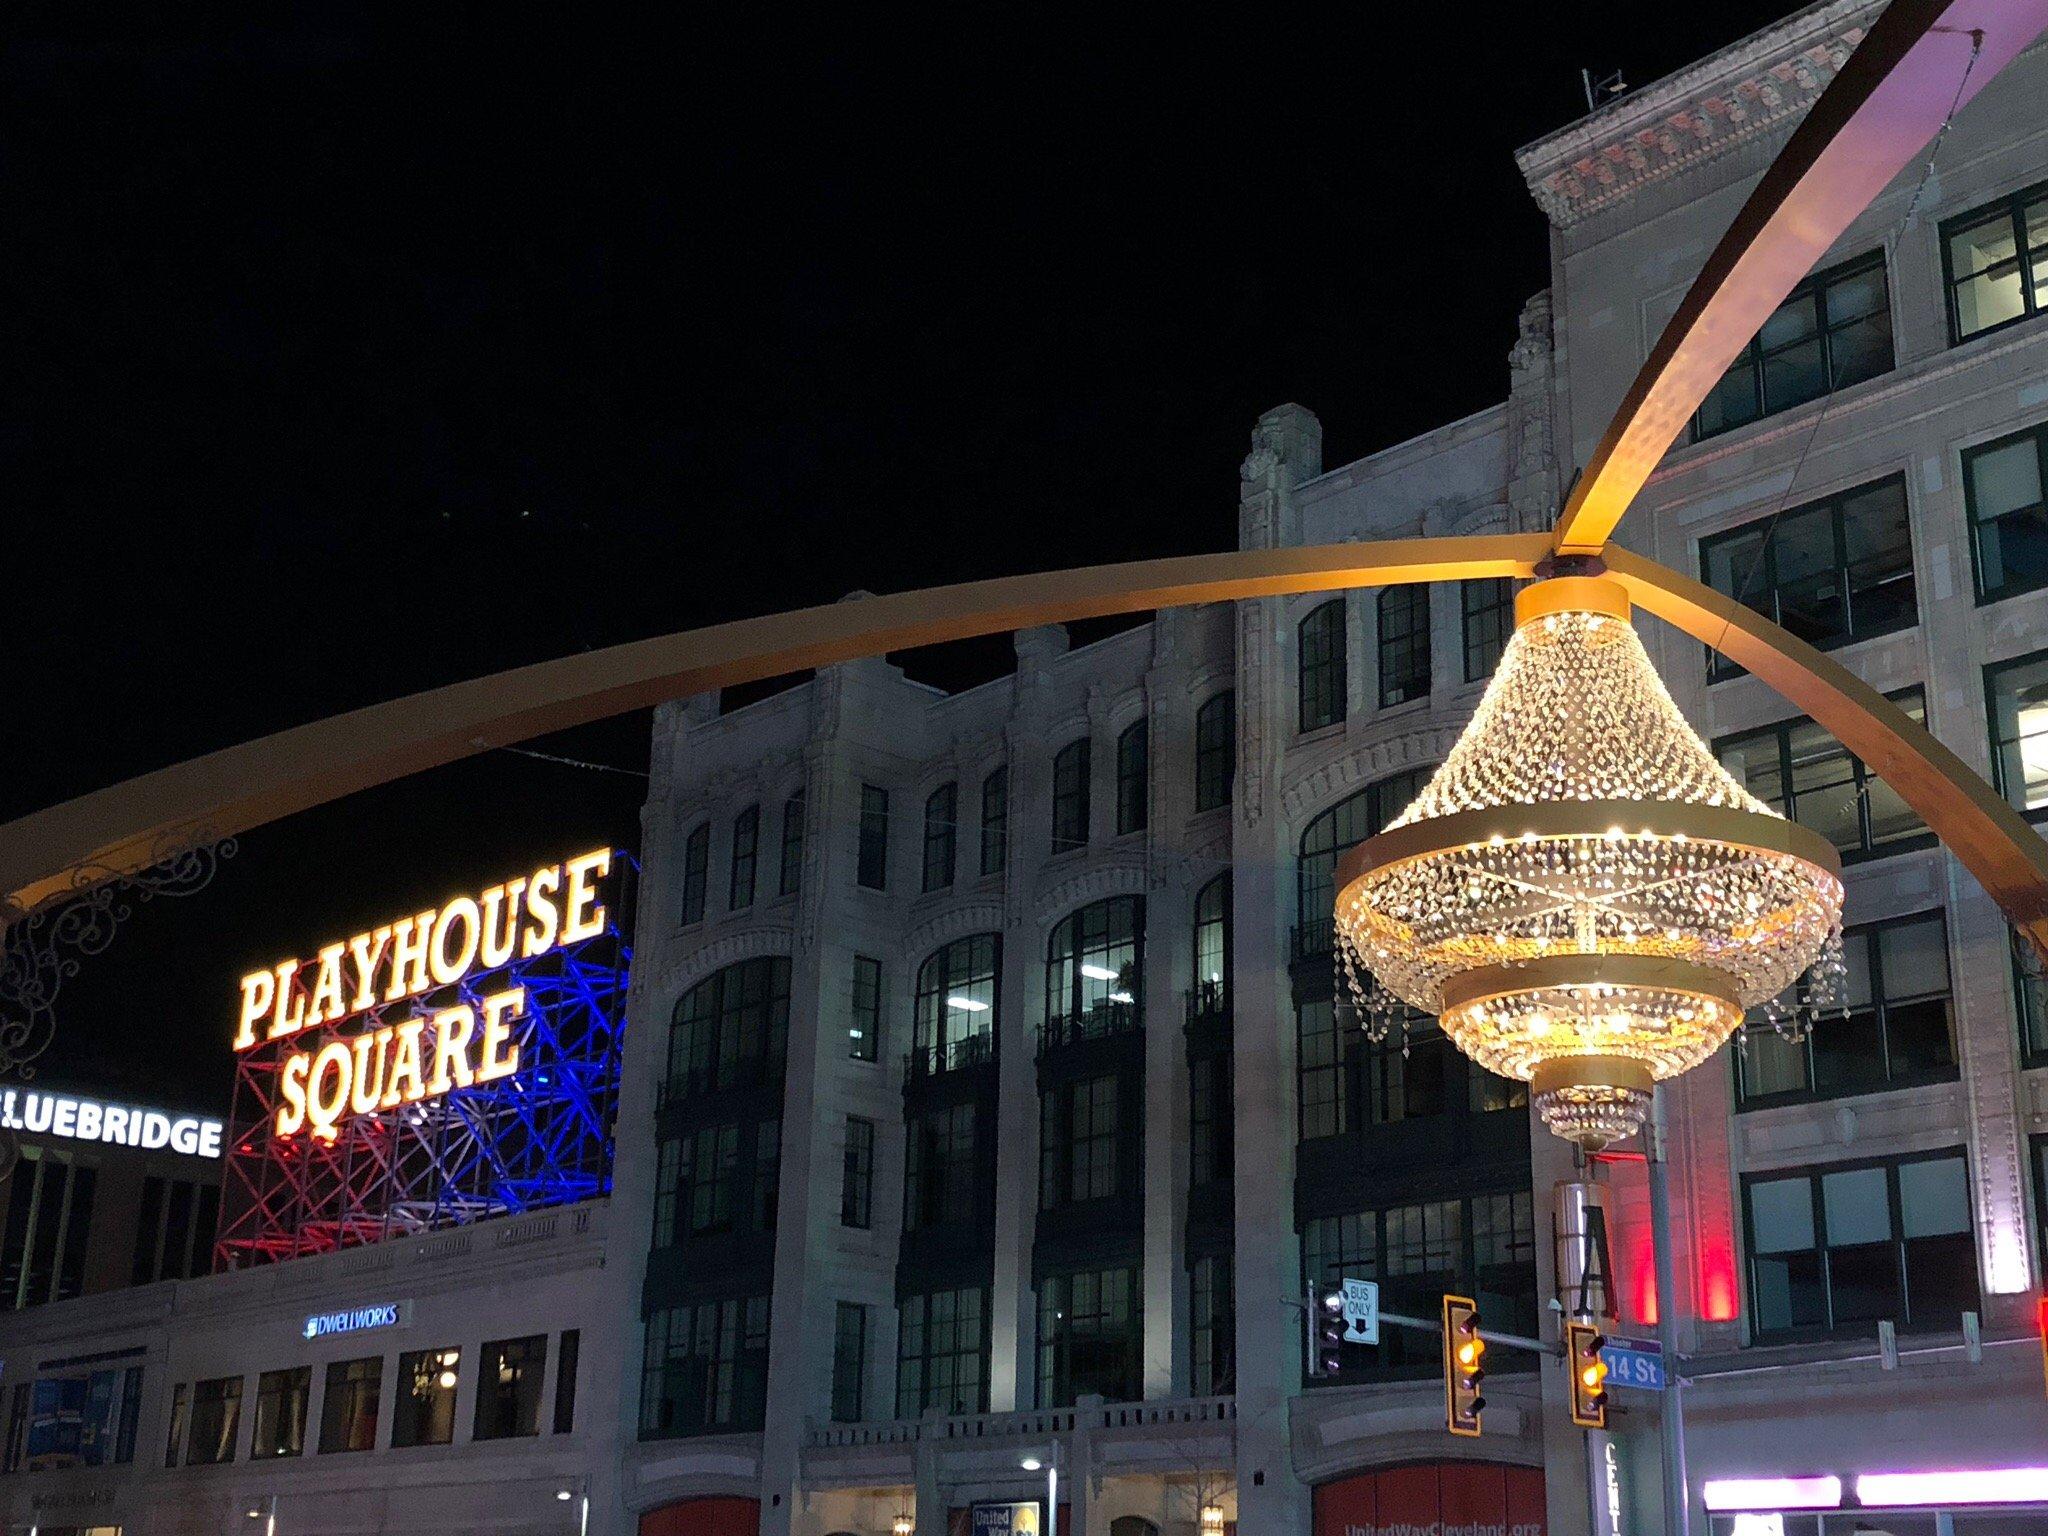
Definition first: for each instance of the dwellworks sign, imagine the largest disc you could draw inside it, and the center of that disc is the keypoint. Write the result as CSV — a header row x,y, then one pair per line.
x,y
383,1314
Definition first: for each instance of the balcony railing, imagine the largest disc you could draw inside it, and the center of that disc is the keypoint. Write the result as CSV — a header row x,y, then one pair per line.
x,y
1208,1002
1315,938
1029,1424
1097,1023
949,1055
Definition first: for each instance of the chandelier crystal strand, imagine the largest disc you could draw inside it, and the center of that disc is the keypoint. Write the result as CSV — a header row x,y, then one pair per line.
x,y
1582,894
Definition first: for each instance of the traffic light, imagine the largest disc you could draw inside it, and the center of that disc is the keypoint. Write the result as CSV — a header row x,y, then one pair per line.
x,y
1582,1346
1464,1366
1326,1333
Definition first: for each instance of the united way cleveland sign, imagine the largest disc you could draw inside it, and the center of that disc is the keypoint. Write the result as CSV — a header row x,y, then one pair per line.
x,y
1450,1498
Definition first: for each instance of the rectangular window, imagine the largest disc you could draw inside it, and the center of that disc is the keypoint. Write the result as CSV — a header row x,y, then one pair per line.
x,y
1801,771
857,1175
1409,1075
1091,1332
1078,1142
942,1353
1404,644
864,1034
791,876
2016,696
1133,789
508,1388
1210,1120
566,1360
995,822
1837,1249
705,1368
1489,618
1833,331
941,836
17,1431
1212,1325
849,1363
873,864
348,1406
216,1420
1835,570
746,856
2002,490
696,873
1070,797
1321,1102
425,1411
280,1428
1899,1028
767,1173
49,1215
940,1168
181,1413
1320,667
1995,264
1215,751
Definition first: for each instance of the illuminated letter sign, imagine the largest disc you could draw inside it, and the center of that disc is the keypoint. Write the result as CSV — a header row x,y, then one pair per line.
x,y
383,1314
117,1125
459,1045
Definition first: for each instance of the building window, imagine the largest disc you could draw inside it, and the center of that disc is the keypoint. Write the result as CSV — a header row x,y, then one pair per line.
x,y
1332,835
746,856
1091,1335
849,1363
174,1229
1215,751
425,1411
873,870
2016,695
767,1175
1489,618
280,1428
1899,1029
954,1019
857,1175
1070,797
1409,1075
1133,785
942,1353
731,1030
216,1419
508,1388
1320,669
348,1405
864,1033
995,822
1212,1325
790,878
1212,949
694,1178
941,1168
1995,263
1094,971
1835,330
705,1369
1078,1142
17,1431
696,874
2002,488
1832,571
180,1415
941,834
49,1215
1837,1249
1799,770
1211,1131
1482,1246
1404,644
2030,982
1321,1105
566,1358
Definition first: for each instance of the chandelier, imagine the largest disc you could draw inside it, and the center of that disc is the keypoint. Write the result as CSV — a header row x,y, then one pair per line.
x,y
1582,894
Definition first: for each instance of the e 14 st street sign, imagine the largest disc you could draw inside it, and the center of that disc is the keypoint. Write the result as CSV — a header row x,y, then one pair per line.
x,y
1635,1363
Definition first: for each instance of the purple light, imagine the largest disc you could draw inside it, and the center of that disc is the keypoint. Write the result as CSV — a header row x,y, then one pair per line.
x,y
1727,1493
1991,1485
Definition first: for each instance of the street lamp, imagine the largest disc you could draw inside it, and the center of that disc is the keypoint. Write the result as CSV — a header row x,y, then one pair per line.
x,y
1212,1520
1051,1464
266,1512
902,1525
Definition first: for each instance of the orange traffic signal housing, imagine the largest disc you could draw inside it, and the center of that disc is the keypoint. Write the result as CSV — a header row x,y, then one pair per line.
x,y
1588,1369
1464,1366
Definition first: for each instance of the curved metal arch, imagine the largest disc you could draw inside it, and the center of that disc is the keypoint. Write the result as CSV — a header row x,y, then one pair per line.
x,y
116,830
1889,99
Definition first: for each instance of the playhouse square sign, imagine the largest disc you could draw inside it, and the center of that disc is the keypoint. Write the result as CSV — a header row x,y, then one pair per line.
x,y
436,1050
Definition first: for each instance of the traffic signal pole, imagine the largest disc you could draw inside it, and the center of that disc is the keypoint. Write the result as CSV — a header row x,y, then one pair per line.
x,y
1677,1491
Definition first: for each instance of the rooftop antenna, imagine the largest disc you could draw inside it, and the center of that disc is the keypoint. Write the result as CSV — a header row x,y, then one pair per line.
x,y
1605,89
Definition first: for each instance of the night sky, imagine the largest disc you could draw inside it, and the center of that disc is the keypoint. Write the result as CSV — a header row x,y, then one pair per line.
x,y
359,352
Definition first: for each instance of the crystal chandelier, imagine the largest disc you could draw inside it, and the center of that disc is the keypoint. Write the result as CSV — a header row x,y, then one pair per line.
x,y
1585,898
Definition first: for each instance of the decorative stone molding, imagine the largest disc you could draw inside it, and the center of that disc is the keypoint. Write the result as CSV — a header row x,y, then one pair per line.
x,y
1698,114
1320,787
974,917
1123,878
680,972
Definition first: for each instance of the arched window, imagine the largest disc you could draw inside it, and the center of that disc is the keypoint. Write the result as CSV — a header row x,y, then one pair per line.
x,y
1215,751
1133,791
1319,666
731,1030
1329,837
1070,797
792,872
1094,971
696,871
746,857
955,1021
941,836
1212,947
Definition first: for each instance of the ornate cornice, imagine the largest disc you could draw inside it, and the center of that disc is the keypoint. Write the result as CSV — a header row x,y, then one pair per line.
x,y
1695,115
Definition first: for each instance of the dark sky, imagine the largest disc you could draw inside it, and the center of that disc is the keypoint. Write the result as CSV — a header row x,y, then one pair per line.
x,y
358,351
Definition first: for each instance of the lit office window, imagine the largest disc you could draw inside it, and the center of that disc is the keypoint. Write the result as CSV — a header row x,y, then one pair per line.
x,y
1995,263
2002,489
1801,771
425,1411
1833,331
954,1018
1094,971
1212,949
2017,695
